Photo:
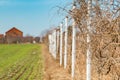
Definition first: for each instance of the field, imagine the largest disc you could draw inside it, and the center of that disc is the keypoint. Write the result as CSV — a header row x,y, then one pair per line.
x,y
21,62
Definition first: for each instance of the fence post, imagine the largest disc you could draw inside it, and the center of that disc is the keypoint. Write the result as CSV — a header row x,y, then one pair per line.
x,y
54,44
57,41
61,36
49,43
73,46
88,60
65,48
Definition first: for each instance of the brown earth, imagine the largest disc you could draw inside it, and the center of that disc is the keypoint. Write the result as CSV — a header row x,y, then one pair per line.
x,y
52,69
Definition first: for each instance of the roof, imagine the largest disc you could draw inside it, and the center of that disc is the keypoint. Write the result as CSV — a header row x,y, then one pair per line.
x,y
1,35
13,29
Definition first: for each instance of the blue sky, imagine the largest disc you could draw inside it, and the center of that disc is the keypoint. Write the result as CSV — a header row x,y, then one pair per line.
x,y
30,16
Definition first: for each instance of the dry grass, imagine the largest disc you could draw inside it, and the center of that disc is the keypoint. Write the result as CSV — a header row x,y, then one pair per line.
x,y
105,40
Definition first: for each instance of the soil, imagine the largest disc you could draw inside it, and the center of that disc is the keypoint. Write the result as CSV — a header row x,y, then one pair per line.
x,y
52,69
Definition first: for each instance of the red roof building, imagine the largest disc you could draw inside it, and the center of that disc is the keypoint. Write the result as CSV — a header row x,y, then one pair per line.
x,y
14,35
14,32
1,36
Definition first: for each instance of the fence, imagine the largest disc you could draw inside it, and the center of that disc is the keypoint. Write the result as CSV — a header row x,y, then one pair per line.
x,y
88,49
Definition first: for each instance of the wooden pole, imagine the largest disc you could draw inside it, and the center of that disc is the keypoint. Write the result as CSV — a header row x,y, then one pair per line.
x,y
65,48
73,46
88,60
61,36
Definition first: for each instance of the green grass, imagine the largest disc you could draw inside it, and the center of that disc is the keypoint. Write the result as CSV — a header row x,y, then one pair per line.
x,y
21,61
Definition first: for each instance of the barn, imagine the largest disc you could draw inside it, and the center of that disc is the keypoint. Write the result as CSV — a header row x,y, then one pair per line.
x,y
14,35
1,36
2,39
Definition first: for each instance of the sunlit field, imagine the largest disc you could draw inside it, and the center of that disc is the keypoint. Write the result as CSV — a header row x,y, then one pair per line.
x,y
21,61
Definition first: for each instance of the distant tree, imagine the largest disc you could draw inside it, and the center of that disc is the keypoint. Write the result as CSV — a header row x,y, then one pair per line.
x,y
27,39
37,39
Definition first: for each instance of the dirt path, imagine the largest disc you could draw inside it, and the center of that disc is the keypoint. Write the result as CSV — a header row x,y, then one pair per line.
x,y
52,70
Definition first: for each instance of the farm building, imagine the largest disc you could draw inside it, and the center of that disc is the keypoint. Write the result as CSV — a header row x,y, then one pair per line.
x,y
14,35
2,38
14,32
